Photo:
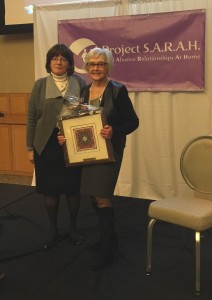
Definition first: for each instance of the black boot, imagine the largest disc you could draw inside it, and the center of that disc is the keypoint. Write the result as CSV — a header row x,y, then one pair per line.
x,y
114,238
108,238
73,207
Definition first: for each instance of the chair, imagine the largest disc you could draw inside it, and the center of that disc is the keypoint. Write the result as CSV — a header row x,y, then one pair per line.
x,y
189,212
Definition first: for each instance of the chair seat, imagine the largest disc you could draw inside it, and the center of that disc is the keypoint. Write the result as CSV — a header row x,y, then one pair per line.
x,y
193,213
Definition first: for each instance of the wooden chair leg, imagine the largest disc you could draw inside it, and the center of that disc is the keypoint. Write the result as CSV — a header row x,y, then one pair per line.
x,y
149,246
197,251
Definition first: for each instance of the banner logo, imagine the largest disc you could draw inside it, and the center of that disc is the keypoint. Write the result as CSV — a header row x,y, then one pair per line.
x,y
80,48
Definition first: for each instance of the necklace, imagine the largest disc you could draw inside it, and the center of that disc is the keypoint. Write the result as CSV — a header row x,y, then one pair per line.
x,y
96,92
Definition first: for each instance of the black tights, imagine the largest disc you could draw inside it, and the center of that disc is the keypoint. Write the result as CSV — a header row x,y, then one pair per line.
x,y
52,207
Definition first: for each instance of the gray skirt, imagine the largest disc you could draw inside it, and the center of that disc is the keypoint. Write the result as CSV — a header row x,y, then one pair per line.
x,y
99,180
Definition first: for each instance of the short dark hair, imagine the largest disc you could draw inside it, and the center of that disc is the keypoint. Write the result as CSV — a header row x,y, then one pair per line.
x,y
63,50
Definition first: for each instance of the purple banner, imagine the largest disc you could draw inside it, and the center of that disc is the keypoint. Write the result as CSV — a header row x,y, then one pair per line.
x,y
156,52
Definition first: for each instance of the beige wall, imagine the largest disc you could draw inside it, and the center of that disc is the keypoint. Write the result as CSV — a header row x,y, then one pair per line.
x,y
17,63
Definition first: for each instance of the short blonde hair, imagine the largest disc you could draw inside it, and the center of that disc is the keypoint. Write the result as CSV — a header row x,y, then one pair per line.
x,y
96,52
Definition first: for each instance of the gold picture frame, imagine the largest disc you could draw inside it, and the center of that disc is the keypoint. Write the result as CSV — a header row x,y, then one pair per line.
x,y
84,144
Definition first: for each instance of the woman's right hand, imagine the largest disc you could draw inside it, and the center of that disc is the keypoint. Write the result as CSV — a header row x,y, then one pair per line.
x,y
31,156
61,139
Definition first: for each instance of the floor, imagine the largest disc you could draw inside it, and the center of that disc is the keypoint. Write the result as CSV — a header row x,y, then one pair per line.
x,y
65,271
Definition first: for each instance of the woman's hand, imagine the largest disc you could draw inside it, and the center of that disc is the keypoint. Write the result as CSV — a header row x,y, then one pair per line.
x,y
106,132
61,139
31,156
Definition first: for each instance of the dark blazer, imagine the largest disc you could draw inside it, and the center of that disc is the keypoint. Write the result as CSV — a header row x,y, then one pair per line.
x,y
118,111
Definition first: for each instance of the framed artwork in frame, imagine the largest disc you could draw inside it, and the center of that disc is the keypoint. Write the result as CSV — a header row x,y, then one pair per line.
x,y
84,144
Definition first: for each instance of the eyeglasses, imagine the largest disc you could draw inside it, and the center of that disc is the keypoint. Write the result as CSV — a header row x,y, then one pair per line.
x,y
59,59
99,65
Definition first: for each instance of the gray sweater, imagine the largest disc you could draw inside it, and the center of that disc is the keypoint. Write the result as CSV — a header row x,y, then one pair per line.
x,y
45,105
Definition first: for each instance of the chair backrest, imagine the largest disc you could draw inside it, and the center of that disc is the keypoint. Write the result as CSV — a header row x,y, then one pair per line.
x,y
196,164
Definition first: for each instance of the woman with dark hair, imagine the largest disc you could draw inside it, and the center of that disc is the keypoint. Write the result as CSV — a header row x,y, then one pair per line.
x,y
47,101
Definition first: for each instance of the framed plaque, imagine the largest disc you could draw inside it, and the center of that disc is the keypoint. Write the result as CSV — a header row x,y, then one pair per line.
x,y
84,144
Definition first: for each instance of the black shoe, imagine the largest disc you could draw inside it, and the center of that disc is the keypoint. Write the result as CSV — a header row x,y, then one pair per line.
x,y
75,238
105,259
2,278
97,244
103,263
52,241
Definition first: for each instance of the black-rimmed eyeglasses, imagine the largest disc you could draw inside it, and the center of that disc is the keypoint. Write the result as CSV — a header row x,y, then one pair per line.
x,y
99,65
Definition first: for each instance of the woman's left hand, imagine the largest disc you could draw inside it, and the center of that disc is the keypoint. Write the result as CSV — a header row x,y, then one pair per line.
x,y
106,132
61,139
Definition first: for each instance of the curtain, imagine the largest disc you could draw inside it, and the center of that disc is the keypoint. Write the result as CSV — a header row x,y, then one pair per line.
x,y
168,120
